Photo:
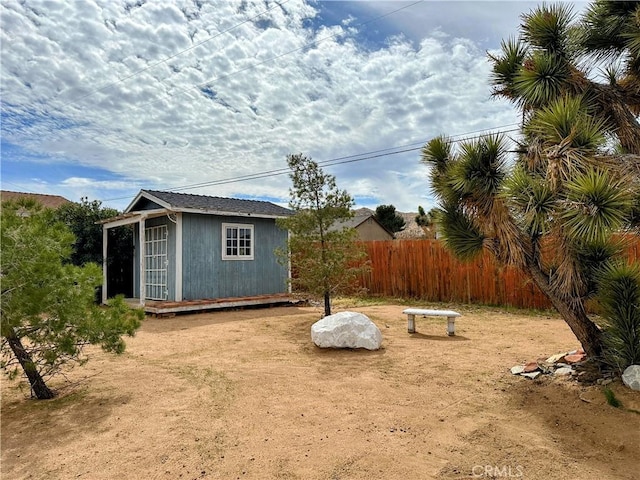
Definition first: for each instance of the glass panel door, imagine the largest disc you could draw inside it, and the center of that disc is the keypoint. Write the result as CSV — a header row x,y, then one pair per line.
x,y
155,262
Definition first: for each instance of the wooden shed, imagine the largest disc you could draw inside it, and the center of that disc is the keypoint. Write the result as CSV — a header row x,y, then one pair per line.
x,y
196,252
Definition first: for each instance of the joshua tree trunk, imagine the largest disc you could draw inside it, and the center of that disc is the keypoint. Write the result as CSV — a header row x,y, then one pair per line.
x,y
39,388
587,332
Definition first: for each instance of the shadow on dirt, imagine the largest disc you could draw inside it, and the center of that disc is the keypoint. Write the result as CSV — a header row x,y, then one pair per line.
x,y
71,414
195,320
438,338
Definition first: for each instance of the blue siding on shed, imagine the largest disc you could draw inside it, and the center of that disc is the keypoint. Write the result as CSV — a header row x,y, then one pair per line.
x,y
206,275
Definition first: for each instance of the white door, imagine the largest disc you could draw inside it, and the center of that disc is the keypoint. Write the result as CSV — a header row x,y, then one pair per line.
x,y
155,262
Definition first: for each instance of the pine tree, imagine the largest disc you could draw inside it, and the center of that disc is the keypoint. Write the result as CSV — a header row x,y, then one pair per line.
x,y
326,261
48,313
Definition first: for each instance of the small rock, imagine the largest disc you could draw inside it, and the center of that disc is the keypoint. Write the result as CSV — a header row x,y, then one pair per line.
x,y
517,370
556,358
575,358
631,377
563,371
530,367
531,375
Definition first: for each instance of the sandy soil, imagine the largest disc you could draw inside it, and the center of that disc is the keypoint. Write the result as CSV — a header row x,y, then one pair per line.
x,y
246,395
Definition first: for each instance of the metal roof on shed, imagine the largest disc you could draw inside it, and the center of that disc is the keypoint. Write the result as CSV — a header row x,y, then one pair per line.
x,y
208,204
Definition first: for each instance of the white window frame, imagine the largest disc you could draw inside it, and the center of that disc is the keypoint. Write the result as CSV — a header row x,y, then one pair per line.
x,y
252,240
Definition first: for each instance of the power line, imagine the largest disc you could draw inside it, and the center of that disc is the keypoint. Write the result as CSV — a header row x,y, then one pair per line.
x,y
148,67
323,163
337,161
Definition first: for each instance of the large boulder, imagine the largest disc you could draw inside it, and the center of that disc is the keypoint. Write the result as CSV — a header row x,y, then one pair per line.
x,y
631,377
346,330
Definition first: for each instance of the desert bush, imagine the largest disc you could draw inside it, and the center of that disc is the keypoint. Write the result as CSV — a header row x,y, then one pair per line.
x,y
619,298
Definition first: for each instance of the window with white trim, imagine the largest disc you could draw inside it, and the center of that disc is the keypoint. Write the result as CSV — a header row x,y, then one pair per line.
x,y
237,241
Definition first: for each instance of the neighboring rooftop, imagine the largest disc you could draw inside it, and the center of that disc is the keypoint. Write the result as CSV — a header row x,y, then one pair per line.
x,y
359,217
216,204
411,230
47,201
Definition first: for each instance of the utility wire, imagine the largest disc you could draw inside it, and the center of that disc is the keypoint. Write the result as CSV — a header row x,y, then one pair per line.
x,y
338,160
323,163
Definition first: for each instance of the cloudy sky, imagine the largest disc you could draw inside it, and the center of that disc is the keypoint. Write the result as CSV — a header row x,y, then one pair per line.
x,y
101,98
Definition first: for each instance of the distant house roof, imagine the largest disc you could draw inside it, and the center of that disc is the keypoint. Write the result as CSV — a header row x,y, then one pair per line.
x,y
358,219
352,222
47,201
207,204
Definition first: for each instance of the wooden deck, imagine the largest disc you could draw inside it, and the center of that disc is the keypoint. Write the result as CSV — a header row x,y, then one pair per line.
x,y
170,307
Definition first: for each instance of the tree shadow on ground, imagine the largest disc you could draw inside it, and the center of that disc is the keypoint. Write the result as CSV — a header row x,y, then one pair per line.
x,y
195,320
438,338
70,414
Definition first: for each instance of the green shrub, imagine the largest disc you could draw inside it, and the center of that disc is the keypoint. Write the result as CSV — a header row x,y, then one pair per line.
x,y
619,298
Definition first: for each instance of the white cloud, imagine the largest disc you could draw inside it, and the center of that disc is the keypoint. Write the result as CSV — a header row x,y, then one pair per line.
x,y
228,107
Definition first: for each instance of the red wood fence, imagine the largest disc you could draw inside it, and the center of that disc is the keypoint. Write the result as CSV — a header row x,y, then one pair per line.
x,y
424,269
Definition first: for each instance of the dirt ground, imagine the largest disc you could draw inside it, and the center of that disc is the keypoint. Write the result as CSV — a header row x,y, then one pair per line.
x,y
246,395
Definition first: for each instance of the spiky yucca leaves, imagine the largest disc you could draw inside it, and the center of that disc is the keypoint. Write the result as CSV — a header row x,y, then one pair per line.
x,y
569,120
567,139
634,216
548,28
620,301
438,154
542,78
593,257
558,191
537,67
473,175
610,28
597,205
459,233
610,33
468,184
479,170
554,211
543,65
546,72
531,200
507,66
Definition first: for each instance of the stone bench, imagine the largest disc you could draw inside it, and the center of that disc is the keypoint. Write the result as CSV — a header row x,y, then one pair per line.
x,y
450,314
